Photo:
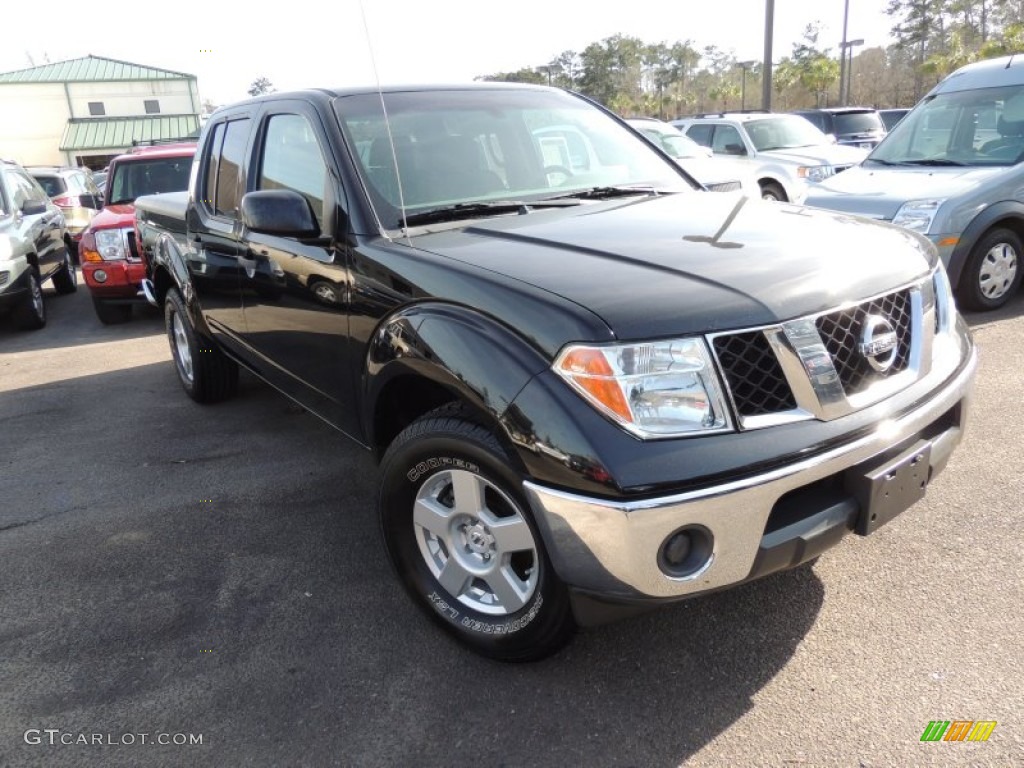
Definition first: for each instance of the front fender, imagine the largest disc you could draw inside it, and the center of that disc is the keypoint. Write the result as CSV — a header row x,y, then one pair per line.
x,y
477,359
980,224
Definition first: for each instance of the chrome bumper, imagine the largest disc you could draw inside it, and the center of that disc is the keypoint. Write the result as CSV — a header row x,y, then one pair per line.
x,y
611,548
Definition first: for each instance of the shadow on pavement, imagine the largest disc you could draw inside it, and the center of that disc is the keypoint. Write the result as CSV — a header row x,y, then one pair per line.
x,y
65,326
218,571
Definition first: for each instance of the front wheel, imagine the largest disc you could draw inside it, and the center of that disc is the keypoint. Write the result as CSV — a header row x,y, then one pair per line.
x,y
993,271
460,536
772,192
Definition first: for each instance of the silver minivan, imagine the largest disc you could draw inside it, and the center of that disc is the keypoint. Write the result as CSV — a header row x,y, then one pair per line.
x,y
953,171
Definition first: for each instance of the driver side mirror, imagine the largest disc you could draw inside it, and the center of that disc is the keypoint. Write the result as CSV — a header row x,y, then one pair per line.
x,y
279,212
33,207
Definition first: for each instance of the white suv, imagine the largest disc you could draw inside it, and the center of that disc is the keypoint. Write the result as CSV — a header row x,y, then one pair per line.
x,y
784,152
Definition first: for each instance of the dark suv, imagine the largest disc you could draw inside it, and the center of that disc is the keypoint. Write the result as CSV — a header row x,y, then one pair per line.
x,y
856,126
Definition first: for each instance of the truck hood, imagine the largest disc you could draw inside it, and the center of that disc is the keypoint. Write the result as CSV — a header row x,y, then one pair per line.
x,y
114,216
823,154
691,262
879,192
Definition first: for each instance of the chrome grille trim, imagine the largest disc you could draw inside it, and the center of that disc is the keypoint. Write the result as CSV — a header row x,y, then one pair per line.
x,y
816,385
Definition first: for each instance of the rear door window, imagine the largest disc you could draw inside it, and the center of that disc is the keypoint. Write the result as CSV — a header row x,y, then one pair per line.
x,y
701,134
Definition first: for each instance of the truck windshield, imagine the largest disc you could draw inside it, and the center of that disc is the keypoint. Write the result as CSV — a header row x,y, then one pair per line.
x,y
133,178
459,147
980,127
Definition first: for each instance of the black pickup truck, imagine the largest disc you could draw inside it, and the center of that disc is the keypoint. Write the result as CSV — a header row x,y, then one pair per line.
x,y
592,386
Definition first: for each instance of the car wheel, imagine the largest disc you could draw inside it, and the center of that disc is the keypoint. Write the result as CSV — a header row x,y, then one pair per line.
x,y
460,536
993,271
30,314
772,191
204,371
65,279
111,314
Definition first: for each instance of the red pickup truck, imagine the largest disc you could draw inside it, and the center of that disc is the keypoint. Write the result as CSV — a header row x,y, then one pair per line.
x,y
111,264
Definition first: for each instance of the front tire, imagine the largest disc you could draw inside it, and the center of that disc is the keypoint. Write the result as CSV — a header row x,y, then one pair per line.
x,y
993,272
773,192
111,314
205,373
459,533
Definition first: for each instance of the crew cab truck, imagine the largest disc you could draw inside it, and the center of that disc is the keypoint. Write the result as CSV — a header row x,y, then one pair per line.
x,y
590,392
111,264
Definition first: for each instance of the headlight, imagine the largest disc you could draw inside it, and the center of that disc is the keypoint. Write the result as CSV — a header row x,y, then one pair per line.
x,y
110,245
945,308
917,215
814,172
658,389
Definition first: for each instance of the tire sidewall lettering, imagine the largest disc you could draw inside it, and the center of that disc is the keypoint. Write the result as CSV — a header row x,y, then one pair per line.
x,y
426,466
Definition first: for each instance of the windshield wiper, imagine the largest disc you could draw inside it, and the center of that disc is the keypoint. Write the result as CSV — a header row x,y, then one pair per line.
x,y
933,161
472,210
601,193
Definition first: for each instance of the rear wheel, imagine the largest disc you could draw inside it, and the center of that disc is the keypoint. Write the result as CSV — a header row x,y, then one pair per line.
x,y
772,191
203,370
30,315
110,313
65,279
993,272
460,535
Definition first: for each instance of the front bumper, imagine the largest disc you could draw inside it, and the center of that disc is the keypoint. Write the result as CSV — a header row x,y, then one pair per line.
x,y
123,278
780,518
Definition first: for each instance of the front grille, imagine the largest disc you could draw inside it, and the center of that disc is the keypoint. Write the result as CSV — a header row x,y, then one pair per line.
x,y
724,186
840,335
753,373
133,251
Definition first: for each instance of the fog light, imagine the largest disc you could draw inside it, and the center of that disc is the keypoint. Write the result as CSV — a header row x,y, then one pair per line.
x,y
686,553
99,276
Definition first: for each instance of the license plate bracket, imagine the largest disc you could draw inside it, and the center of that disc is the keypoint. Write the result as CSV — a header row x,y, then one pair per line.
x,y
886,489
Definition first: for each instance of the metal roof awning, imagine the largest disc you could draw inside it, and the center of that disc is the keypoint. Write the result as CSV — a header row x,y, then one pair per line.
x,y
118,133
90,69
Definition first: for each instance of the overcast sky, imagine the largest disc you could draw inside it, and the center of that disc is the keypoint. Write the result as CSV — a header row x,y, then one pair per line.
x,y
306,43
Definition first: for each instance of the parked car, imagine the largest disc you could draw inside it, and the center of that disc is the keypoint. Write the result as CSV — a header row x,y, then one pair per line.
x,y
111,265
74,192
785,153
891,116
718,174
33,248
952,170
589,392
855,126
99,178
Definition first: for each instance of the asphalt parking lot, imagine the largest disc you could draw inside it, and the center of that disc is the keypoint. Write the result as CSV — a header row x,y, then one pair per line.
x,y
179,570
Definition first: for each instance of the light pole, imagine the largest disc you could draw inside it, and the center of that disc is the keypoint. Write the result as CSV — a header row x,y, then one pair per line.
x,y
846,49
766,70
744,65
842,56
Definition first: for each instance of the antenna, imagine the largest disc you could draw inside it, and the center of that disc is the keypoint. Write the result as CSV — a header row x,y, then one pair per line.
x,y
387,122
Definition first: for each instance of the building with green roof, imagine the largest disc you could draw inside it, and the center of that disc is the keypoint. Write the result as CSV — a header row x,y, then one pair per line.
x,y
85,111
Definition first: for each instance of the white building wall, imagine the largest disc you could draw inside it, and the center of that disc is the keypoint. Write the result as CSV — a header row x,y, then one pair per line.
x,y
127,99
32,120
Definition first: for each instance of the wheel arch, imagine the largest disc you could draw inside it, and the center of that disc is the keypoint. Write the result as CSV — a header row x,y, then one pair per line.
x,y
429,355
1008,214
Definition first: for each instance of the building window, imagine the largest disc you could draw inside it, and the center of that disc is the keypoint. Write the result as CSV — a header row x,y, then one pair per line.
x,y
96,108
152,107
